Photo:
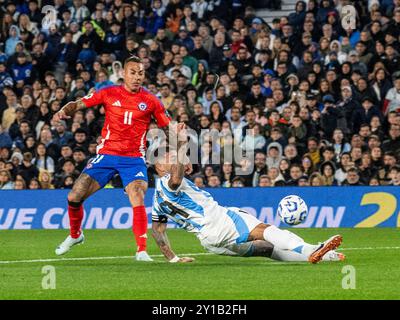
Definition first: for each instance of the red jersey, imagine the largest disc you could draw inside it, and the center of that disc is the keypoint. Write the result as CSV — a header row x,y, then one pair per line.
x,y
128,116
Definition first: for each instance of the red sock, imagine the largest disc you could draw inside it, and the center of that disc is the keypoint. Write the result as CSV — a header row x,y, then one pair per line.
x,y
75,214
140,227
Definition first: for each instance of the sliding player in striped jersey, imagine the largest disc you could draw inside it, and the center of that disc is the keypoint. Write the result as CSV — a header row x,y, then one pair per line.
x,y
221,230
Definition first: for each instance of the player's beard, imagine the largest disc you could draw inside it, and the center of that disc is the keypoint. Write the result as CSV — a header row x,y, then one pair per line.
x,y
134,87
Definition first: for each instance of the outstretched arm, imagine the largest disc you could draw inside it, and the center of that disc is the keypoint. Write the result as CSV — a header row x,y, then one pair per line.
x,y
69,109
180,160
160,236
92,99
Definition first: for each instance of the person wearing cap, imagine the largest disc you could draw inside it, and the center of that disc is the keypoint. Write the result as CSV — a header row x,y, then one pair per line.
x,y
354,59
333,61
22,70
61,134
312,102
115,39
256,22
365,114
330,115
227,57
349,105
292,80
184,39
256,27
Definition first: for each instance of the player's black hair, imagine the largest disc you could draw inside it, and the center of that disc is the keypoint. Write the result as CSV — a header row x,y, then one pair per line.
x,y
132,59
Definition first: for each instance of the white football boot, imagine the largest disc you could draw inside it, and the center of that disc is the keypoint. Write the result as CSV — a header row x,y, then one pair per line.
x,y
143,256
68,243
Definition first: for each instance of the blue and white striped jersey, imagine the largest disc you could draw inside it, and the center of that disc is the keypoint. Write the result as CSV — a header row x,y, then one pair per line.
x,y
188,206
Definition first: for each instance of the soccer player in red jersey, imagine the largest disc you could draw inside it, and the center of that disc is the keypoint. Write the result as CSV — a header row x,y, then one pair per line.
x,y
128,109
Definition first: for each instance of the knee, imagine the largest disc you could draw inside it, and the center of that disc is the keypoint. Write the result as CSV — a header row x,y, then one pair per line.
x,y
136,190
75,197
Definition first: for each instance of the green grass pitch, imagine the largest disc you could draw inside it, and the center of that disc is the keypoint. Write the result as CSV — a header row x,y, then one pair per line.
x,y
374,253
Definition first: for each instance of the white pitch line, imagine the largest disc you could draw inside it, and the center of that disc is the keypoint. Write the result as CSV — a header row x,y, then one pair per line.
x,y
160,256
97,258
371,248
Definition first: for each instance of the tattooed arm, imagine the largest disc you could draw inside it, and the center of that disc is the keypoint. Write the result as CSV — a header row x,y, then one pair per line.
x,y
160,236
69,109
179,162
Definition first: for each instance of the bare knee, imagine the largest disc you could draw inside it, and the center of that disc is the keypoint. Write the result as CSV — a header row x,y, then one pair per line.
x,y
258,232
75,197
83,188
136,191
137,187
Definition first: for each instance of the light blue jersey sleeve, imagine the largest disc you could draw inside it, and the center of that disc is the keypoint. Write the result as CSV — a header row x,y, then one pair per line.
x,y
159,213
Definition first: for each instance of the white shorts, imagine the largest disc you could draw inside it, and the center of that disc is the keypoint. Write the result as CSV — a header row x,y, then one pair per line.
x,y
227,230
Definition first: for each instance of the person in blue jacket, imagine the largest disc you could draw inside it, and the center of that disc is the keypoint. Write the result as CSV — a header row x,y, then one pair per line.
x,y
115,39
325,7
22,70
87,55
296,18
12,40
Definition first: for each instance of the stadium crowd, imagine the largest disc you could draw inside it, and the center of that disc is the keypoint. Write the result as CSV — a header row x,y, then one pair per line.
x,y
320,103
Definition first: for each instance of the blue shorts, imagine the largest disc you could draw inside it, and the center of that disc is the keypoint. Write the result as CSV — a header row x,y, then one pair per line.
x,y
104,166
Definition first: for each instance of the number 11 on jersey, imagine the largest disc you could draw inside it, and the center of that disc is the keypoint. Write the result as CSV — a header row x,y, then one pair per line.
x,y
128,117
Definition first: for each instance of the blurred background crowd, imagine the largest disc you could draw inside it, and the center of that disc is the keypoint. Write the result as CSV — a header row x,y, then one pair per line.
x,y
315,100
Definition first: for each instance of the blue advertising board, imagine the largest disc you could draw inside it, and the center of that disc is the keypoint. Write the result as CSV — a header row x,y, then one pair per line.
x,y
110,208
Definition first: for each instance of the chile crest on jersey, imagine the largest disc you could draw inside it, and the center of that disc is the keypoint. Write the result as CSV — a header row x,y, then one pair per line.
x,y
142,106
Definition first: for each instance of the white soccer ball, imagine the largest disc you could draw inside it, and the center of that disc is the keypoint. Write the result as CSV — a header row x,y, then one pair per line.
x,y
292,210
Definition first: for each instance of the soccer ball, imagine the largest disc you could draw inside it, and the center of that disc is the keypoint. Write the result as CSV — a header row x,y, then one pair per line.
x,y
292,210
